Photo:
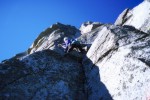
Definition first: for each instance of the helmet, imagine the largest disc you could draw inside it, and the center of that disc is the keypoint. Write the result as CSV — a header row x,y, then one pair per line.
x,y
65,38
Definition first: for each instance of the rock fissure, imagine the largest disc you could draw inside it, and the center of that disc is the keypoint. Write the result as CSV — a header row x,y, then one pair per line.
x,y
124,16
144,36
145,61
105,54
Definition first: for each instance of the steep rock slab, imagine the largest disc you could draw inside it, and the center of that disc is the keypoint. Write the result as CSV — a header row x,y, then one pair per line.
x,y
139,17
40,76
89,37
122,55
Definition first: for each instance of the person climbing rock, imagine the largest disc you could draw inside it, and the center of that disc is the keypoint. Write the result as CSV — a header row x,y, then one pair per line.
x,y
69,45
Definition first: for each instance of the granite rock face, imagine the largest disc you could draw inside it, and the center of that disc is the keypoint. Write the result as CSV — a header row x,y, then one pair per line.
x,y
138,17
116,66
122,55
89,37
89,26
123,17
42,75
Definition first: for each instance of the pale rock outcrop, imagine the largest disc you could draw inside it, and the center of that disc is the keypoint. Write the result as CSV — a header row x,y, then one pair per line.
x,y
123,17
139,17
122,55
89,26
89,37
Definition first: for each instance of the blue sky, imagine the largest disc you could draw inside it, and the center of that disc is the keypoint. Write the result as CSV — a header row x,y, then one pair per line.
x,y
21,21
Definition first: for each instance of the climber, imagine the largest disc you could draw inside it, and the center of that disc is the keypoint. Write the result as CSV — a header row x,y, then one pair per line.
x,y
69,45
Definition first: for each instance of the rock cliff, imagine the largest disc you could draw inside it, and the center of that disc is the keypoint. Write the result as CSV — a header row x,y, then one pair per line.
x,y
122,55
115,67
138,17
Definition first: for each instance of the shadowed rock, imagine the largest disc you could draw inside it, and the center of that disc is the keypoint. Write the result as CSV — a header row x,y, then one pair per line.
x,y
42,75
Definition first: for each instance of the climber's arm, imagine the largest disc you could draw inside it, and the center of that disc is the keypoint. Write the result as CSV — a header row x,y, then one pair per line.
x,y
62,45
